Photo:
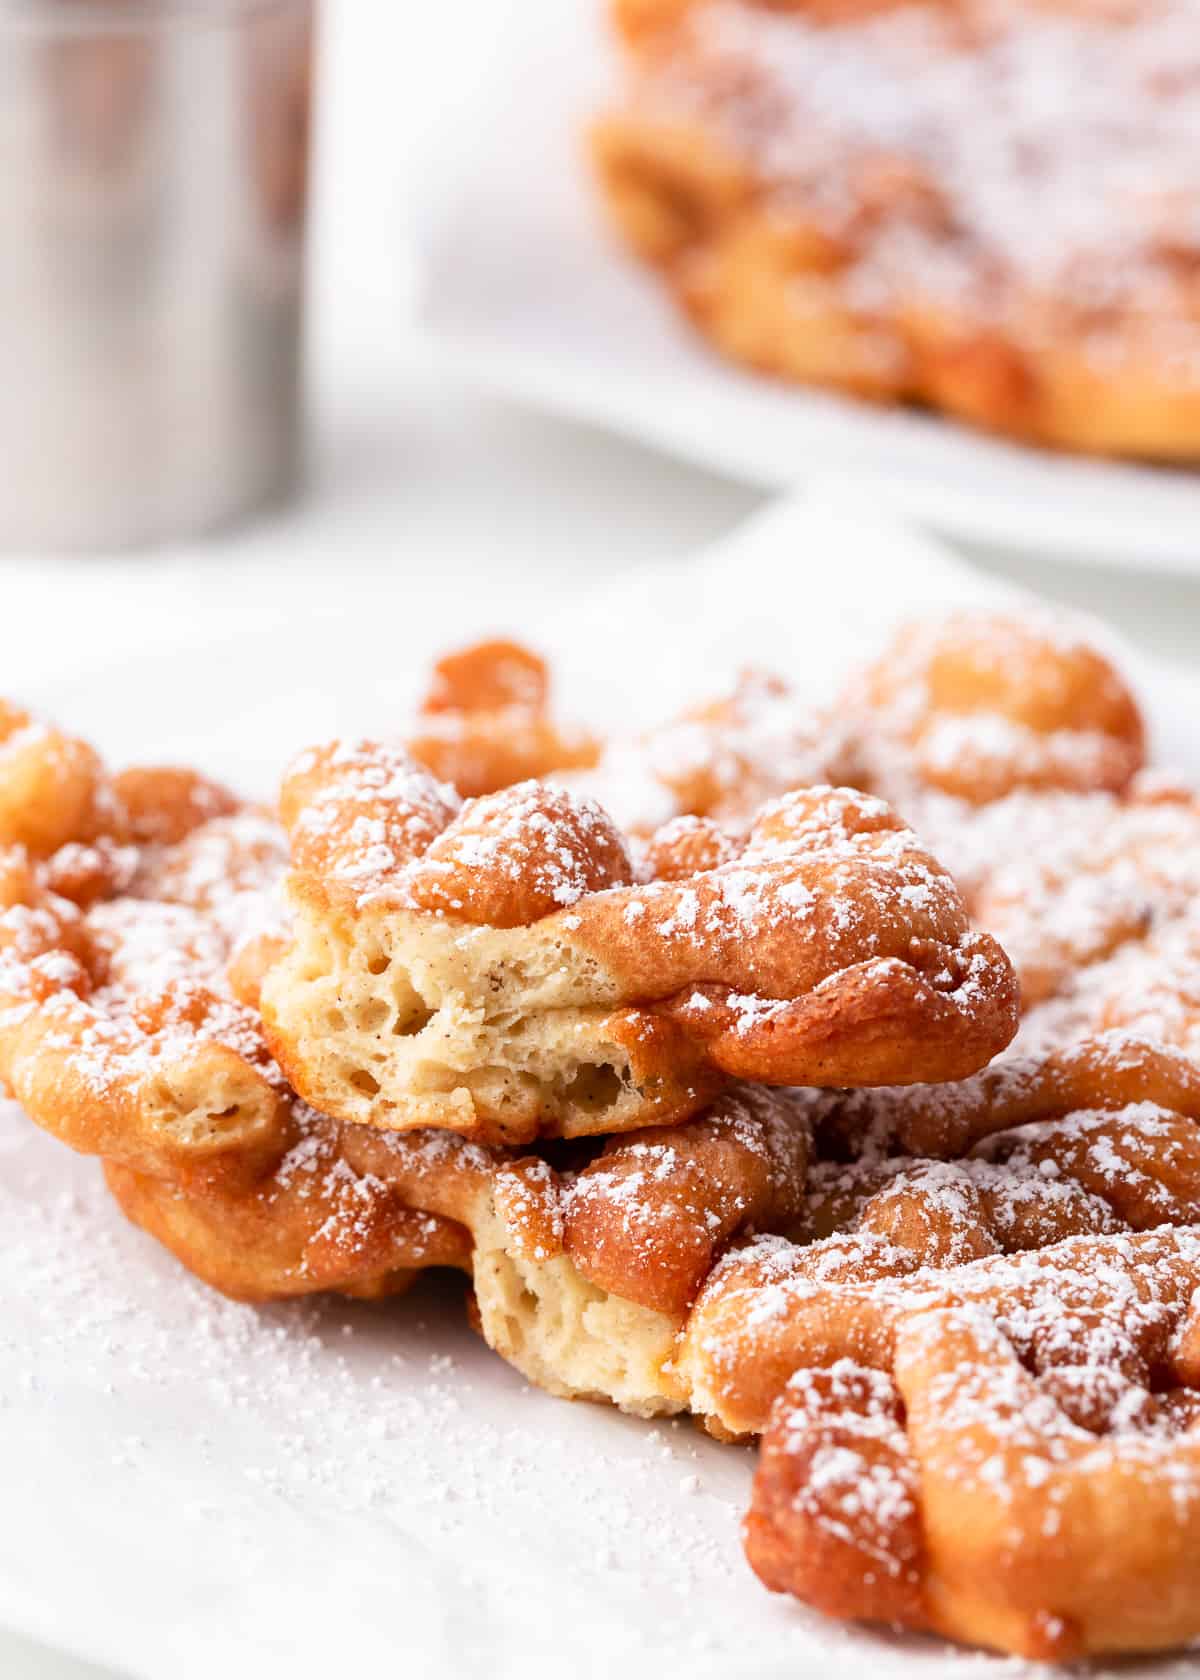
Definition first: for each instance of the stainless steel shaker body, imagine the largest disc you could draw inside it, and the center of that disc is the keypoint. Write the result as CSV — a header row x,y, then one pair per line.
x,y
153,167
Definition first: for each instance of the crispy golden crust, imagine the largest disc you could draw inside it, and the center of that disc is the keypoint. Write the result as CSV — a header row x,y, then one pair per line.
x,y
802,178
1092,895
120,1036
877,1232
1019,760
278,1238
1108,1070
499,971
1006,1454
116,1032
648,1217
52,785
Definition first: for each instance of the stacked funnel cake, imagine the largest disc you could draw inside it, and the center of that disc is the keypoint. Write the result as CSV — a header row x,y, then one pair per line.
x,y
986,208
699,1066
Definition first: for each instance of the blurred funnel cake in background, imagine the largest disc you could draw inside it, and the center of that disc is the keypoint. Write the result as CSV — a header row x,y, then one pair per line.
x,y
712,1102
989,209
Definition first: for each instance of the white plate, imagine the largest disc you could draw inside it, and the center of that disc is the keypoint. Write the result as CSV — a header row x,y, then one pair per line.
x,y
194,1488
525,292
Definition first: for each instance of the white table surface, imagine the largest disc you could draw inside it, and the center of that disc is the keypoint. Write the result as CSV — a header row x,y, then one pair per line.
x,y
413,473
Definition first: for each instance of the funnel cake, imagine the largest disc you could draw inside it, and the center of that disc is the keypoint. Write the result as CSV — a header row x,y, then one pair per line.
x,y
498,969
876,196
1006,1453
120,1035
959,1311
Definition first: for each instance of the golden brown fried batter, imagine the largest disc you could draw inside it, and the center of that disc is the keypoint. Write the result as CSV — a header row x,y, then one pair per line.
x,y
498,970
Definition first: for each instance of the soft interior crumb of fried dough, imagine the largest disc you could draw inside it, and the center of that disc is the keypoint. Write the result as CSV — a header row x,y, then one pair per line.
x,y
498,970
834,194
583,1279
533,1304
568,1336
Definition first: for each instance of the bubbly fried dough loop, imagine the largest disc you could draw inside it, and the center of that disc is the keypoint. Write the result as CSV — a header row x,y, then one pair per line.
x,y
1092,895
687,846
838,1440
163,1074
52,787
1103,1071
506,977
1085,1147
163,805
115,1033
488,677
305,1228
361,807
986,704
1028,1473
516,856
648,1217
119,1034
485,722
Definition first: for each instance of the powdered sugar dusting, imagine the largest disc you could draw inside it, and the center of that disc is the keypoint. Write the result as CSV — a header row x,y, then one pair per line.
x,y
981,157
